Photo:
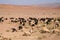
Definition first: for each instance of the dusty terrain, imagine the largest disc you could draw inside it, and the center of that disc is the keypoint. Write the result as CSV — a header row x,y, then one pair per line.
x,y
26,11
10,10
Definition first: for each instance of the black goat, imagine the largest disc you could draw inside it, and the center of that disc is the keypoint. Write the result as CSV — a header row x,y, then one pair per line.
x,y
14,30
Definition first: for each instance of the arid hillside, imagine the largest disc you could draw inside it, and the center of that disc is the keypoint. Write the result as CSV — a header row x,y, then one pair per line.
x,y
26,11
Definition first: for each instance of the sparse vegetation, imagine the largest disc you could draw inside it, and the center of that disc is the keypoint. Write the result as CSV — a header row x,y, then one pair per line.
x,y
39,38
25,34
7,30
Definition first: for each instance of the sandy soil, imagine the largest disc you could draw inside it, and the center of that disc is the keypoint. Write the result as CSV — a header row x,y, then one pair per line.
x,y
12,10
26,11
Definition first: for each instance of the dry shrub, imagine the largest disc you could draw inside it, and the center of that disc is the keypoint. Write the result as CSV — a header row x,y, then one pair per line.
x,y
39,38
7,30
58,33
25,34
